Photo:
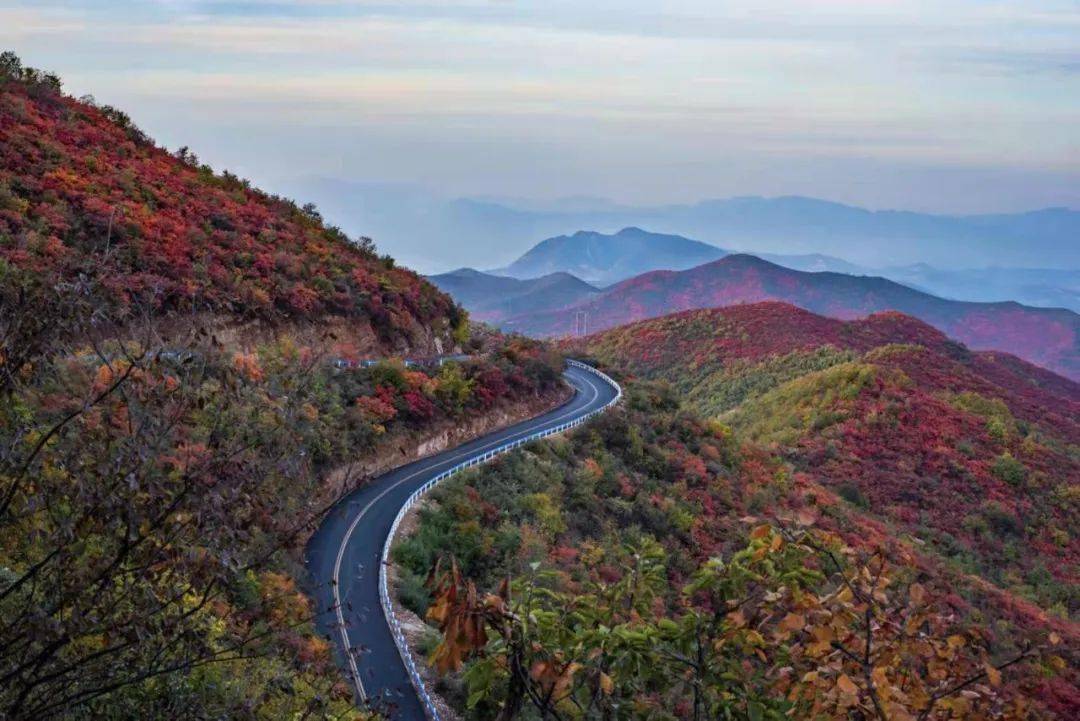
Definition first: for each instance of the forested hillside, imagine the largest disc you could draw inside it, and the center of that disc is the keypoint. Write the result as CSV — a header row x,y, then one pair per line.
x,y
83,192
788,516
160,470
975,454
660,567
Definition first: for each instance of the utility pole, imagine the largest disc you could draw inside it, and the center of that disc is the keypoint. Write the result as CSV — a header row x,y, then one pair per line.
x,y
581,323
108,234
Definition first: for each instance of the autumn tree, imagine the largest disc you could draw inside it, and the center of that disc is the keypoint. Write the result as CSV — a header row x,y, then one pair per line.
x,y
143,501
794,625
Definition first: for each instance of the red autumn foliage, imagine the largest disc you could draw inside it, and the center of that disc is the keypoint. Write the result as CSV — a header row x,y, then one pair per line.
x,y
971,452
419,406
376,408
1047,336
81,189
625,476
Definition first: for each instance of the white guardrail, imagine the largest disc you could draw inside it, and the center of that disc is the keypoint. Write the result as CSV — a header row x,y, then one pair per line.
x,y
384,590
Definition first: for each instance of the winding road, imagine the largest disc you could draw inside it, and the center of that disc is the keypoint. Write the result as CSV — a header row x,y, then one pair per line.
x,y
344,554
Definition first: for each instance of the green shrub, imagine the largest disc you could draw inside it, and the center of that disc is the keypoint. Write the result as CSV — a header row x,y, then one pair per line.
x,y
713,391
815,401
975,524
412,593
1000,424
1009,470
851,493
1002,522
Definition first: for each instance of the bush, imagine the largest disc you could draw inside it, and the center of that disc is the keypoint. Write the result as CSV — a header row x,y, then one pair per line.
x,y
412,592
1009,470
1000,424
851,493
1002,521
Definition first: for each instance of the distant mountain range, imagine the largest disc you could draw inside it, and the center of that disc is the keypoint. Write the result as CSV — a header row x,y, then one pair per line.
x,y
605,259
1044,287
880,238
430,232
1047,336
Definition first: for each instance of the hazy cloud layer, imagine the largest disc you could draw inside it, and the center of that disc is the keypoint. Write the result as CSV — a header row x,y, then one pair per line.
x,y
950,105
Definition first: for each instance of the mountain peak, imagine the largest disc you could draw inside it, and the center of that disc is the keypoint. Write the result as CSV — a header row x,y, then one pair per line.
x,y
600,258
748,260
464,272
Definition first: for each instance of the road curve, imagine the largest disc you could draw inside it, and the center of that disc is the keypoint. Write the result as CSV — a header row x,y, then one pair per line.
x,y
348,547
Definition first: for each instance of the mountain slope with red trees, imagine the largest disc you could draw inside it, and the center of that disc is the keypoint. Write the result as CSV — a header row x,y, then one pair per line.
x,y
84,192
1047,336
972,453
173,427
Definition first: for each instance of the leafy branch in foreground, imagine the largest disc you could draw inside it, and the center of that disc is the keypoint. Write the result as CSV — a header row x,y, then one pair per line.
x,y
144,511
795,625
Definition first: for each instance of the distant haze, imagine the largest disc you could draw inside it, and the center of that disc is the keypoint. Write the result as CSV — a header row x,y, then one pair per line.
x,y
943,106
434,234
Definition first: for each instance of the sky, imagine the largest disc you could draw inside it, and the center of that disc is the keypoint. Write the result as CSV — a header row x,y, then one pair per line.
x,y
930,105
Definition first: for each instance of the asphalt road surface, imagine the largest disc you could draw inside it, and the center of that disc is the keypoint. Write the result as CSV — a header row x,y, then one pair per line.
x,y
348,547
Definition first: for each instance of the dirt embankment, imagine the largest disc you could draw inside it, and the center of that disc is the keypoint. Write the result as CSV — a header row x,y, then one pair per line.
x,y
399,448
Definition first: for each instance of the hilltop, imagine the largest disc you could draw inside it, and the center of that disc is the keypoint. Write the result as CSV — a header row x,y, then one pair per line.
x,y
604,259
492,298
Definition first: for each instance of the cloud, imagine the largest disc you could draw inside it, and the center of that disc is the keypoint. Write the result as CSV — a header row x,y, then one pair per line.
x,y
613,96
1007,62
